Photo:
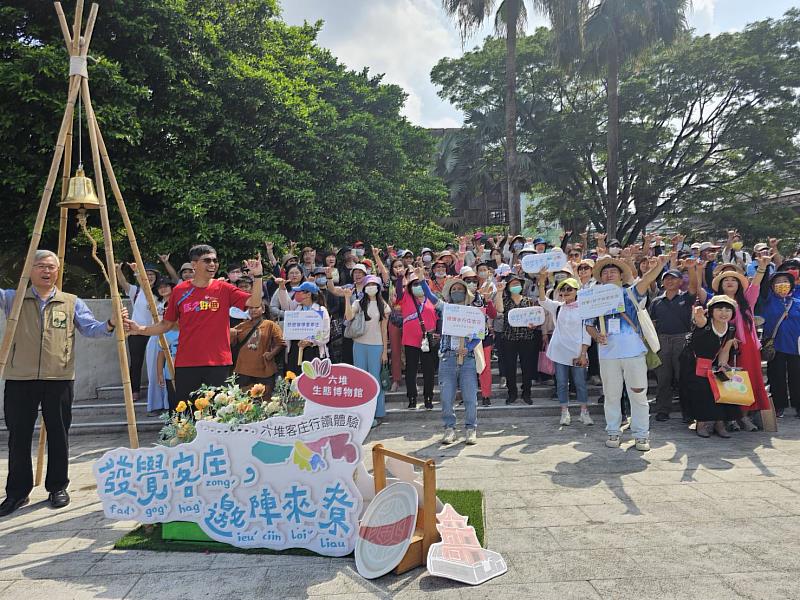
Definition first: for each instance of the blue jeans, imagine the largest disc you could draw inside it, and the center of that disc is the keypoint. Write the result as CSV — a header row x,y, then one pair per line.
x,y
368,358
451,377
562,383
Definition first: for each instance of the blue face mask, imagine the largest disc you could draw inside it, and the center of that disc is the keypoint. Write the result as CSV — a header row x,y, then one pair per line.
x,y
458,297
515,289
321,281
517,246
417,291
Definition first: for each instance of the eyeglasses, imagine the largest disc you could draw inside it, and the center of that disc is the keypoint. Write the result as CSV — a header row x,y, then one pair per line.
x,y
210,261
584,268
43,267
576,255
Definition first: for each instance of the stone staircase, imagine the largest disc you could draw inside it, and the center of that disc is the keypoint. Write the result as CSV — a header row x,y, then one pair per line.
x,y
105,413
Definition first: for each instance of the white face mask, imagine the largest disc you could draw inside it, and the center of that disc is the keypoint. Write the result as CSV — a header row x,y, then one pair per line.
x,y
358,252
371,290
471,286
614,251
483,274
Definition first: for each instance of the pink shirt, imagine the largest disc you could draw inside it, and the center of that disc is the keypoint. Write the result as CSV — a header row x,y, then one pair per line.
x,y
412,332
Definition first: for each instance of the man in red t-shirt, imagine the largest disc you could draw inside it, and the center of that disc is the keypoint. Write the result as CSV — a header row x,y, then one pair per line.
x,y
201,309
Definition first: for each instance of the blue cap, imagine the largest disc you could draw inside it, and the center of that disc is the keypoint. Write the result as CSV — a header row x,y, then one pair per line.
x,y
539,240
308,287
151,267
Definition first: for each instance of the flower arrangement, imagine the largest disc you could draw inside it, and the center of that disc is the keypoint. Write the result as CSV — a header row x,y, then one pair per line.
x,y
230,404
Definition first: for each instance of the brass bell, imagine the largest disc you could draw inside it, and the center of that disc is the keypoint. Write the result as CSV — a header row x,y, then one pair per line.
x,y
81,193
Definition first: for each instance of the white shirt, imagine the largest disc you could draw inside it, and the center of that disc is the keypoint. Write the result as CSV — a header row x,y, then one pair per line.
x,y
372,335
569,335
141,311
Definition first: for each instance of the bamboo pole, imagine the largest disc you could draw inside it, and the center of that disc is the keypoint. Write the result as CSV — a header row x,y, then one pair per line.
x,y
36,236
110,262
137,256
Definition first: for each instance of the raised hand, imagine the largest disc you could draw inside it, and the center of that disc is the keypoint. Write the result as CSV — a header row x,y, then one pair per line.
x,y
254,266
281,283
270,246
164,258
773,243
348,293
764,261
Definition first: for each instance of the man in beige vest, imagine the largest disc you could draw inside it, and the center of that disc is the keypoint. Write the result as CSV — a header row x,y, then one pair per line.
x,y
41,370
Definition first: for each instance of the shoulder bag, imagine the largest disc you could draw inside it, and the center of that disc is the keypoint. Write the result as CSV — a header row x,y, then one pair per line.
x,y
768,345
357,327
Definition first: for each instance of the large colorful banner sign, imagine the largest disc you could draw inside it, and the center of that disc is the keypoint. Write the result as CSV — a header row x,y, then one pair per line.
x,y
286,482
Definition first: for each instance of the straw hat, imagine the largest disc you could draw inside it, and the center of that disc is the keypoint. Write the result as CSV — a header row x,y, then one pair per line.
x,y
601,264
727,267
743,281
449,285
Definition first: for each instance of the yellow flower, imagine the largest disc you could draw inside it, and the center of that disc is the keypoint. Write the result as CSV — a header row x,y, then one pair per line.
x,y
290,376
209,395
201,403
257,390
243,407
181,406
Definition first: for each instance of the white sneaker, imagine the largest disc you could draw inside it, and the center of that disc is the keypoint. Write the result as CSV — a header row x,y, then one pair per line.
x,y
565,418
612,441
586,418
643,444
471,438
449,436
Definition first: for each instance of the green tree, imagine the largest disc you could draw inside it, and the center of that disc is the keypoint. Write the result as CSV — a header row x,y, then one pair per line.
x,y
510,17
709,124
602,36
225,125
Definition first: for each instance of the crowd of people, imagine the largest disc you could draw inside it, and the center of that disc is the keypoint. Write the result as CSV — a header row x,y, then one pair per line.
x,y
689,310
382,310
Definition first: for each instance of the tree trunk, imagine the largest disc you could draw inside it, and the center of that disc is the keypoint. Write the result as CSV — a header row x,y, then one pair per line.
x,y
612,196
514,216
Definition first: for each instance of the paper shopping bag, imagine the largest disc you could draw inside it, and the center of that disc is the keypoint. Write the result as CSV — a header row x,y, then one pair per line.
x,y
731,387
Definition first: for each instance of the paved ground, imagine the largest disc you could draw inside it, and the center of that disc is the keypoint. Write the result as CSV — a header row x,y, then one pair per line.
x,y
705,519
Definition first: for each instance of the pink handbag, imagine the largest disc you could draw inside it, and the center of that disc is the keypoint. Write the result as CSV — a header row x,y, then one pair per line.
x,y
546,365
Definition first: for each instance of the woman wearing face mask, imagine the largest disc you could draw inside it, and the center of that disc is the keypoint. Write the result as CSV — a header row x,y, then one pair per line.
x,y
736,286
357,275
569,346
781,312
371,350
419,320
483,300
457,366
515,245
519,342
711,345
294,277
306,296
397,271
335,306
438,277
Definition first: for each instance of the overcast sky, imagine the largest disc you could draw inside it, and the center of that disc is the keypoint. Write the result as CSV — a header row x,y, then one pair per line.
x,y
404,39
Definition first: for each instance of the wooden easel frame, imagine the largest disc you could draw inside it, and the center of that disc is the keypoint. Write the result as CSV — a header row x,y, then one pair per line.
x,y
78,48
425,533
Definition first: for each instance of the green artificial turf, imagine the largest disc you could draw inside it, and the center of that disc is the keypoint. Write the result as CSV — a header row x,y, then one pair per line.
x,y
465,502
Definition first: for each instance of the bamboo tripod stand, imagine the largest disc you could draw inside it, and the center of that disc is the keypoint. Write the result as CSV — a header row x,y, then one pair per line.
x,y
78,48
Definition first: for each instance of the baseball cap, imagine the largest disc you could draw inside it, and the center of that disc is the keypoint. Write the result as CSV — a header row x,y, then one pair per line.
x,y
760,246
708,246
672,273
308,287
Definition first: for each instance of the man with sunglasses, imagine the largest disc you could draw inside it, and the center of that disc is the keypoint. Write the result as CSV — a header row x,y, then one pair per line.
x,y
201,308
41,370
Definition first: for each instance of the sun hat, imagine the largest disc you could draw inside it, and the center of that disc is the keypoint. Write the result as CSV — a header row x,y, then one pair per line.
x,y
722,299
186,267
744,282
609,261
359,267
449,285
373,279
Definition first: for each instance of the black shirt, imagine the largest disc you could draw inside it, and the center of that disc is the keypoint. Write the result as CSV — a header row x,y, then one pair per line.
x,y
673,317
